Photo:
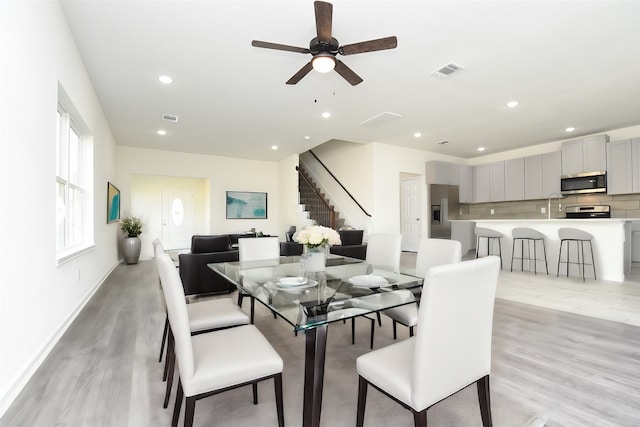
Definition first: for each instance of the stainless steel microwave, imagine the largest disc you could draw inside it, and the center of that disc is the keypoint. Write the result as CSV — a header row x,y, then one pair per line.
x,y
580,183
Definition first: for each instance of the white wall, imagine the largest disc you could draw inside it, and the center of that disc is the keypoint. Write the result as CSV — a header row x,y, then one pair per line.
x,y
37,299
223,173
288,183
147,204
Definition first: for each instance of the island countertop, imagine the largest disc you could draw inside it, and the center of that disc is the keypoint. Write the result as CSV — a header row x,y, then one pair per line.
x,y
611,242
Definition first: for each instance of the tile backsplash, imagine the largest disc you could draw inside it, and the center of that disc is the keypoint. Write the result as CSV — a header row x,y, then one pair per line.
x,y
622,206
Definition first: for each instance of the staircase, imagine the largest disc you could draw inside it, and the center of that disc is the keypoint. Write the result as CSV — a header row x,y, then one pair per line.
x,y
318,207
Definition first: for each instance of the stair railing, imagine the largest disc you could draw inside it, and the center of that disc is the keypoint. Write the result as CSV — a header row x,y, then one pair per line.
x,y
340,184
324,214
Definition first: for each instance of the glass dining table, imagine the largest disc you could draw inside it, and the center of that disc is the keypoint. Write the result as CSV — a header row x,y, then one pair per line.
x,y
310,301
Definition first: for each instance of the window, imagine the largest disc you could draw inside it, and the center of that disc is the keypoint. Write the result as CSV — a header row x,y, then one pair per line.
x,y
73,181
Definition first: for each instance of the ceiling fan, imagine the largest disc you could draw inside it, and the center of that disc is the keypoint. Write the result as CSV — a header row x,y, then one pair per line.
x,y
324,48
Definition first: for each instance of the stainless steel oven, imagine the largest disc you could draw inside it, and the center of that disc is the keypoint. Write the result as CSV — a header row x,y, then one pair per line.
x,y
586,212
592,182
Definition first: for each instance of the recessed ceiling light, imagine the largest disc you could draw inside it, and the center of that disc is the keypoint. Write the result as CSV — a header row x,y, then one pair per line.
x,y
274,147
570,129
512,104
326,114
307,137
480,148
417,134
165,79
162,132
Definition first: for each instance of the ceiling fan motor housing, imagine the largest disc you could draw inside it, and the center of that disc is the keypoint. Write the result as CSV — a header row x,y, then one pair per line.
x,y
316,46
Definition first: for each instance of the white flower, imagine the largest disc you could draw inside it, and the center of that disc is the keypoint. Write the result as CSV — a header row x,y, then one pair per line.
x,y
317,236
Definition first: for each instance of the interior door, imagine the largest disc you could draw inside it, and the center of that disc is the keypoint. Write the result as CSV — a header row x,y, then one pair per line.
x,y
410,214
178,218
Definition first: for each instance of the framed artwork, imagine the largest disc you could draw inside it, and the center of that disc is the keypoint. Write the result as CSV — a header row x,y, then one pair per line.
x,y
246,205
113,203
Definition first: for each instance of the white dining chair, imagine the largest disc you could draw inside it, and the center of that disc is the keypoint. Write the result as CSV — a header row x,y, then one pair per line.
x,y
384,251
451,349
431,253
256,249
214,362
204,316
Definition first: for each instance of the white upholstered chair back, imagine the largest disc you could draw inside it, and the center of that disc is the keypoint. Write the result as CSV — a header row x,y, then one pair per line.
x,y
258,248
433,252
455,321
384,250
157,246
178,316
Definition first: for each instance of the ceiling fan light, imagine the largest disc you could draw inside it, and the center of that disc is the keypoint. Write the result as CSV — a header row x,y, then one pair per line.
x,y
323,62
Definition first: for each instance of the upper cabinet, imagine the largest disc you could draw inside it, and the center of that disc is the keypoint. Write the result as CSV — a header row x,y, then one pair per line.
x,y
465,189
438,172
623,166
482,183
551,173
533,171
497,181
588,154
514,171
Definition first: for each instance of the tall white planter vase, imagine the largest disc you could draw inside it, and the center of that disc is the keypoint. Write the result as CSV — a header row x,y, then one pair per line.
x,y
315,260
131,249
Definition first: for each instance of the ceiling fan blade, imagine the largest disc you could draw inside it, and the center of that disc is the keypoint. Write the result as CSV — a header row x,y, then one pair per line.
x,y
300,74
369,46
324,16
276,46
347,73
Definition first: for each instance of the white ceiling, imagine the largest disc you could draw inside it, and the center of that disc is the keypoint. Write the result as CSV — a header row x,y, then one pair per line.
x,y
573,63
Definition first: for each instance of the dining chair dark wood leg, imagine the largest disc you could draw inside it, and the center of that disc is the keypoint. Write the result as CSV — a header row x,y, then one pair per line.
x,y
177,406
362,401
484,398
379,318
395,330
277,379
353,330
189,410
373,328
410,331
170,344
171,358
164,336
420,418
254,387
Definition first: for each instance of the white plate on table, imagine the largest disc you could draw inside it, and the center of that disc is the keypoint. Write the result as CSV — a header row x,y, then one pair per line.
x,y
368,281
288,286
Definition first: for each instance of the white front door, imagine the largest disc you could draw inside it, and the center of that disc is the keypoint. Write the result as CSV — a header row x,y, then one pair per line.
x,y
178,218
410,214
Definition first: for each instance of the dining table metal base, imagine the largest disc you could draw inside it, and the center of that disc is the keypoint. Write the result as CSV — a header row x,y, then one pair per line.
x,y
315,350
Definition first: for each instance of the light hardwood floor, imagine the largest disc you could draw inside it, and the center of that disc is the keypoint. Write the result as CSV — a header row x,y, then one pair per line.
x,y
549,364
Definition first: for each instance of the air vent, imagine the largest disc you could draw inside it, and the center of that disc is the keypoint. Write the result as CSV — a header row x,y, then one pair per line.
x,y
443,142
170,118
447,70
381,119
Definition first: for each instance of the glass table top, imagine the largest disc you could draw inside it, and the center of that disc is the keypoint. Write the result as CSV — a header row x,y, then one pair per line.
x,y
347,288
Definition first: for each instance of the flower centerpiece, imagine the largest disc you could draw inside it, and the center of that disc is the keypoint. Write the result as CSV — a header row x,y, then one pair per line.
x,y
131,245
316,240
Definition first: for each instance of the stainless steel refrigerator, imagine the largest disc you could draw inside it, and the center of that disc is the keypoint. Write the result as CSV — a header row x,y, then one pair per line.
x,y
444,203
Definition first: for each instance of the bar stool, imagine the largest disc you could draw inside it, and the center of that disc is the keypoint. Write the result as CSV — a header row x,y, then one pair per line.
x,y
489,234
568,235
531,236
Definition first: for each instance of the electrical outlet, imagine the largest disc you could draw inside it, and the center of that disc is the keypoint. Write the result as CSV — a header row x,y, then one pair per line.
x,y
492,211
543,210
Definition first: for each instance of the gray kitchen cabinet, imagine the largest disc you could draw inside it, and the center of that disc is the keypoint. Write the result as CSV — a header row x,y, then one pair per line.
x,y
551,173
497,181
620,171
588,154
533,178
438,172
514,179
465,186
482,183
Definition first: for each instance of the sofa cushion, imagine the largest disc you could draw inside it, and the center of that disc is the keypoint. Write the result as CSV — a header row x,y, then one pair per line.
x,y
351,237
205,244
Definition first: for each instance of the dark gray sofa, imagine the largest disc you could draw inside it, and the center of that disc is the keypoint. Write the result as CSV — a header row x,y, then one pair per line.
x,y
351,246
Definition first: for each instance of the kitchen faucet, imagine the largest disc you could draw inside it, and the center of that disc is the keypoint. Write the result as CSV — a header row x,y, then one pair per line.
x,y
549,204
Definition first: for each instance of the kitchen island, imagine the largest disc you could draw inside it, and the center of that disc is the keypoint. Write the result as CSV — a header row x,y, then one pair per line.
x,y
611,244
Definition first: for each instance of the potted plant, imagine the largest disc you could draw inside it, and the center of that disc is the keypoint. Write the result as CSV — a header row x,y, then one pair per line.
x,y
131,245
